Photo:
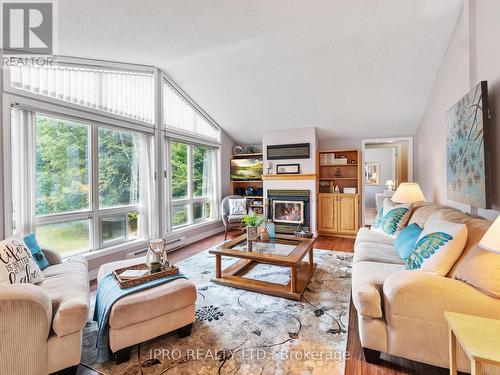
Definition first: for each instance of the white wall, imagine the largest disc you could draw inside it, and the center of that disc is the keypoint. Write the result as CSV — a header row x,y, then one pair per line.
x,y
472,56
289,136
386,157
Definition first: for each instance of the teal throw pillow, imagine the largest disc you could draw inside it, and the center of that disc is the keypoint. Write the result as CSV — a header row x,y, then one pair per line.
x,y
392,218
36,251
406,240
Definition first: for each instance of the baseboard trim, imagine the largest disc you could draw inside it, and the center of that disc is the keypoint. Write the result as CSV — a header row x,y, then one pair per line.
x,y
189,240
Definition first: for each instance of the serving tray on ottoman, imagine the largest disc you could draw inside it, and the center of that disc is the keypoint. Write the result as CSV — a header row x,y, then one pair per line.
x,y
128,283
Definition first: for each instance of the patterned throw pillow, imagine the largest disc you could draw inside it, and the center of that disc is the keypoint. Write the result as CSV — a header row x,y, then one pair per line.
x,y
238,206
17,264
391,218
406,240
438,247
36,251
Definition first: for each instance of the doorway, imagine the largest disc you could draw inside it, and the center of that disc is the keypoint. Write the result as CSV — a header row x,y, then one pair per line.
x,y
386,163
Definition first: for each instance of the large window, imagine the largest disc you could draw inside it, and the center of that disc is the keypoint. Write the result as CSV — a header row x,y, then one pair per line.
x,y
96,148
62,183
62,166
121,183
79,207
181,116
118,168
192,176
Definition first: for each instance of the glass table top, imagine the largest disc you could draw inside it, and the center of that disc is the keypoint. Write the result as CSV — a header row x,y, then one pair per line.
x,y
275,247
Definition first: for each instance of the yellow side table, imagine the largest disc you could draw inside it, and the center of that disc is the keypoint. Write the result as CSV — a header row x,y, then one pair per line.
x,y
479,337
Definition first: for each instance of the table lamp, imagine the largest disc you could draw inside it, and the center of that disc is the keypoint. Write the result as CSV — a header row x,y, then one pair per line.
x,y
408,192
390,185
491,239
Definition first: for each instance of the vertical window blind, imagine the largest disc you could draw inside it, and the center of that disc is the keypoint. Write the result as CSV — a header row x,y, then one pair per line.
x,y
181,116
125,93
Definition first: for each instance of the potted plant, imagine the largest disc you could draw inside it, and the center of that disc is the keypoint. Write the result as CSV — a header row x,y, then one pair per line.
x,y
251,223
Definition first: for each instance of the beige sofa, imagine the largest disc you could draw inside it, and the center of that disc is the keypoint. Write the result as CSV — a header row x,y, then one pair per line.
x,y
401,312
41,325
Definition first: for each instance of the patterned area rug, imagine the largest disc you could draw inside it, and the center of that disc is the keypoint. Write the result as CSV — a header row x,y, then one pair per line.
x,y
241,332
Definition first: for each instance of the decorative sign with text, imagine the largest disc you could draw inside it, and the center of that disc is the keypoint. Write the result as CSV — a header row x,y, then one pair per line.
x,y
17,264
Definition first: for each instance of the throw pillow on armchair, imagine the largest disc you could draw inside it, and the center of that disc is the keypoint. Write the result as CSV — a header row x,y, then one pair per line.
x,y
238,206
36,251
17,264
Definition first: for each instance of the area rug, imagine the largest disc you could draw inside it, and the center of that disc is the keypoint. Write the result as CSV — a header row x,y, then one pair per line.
x,y
241,332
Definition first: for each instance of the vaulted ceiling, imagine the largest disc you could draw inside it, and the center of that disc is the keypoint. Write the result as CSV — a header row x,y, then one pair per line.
x,y
352,68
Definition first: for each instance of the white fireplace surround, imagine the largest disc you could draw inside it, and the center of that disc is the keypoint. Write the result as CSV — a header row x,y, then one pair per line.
x,y
307,166
297,185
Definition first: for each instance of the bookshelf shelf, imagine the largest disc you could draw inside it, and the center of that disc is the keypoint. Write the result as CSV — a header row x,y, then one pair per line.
x,y
339,192
338,178
255,155
248,188
339,165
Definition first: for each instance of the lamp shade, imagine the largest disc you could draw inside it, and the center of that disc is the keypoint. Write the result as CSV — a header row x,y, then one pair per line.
x,y
408,192
491,239
389,183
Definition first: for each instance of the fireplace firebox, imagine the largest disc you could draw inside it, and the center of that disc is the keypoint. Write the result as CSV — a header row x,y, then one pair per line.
x,y
289,209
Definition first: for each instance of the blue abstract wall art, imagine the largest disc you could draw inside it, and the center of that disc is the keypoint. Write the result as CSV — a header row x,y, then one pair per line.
x,y
468,149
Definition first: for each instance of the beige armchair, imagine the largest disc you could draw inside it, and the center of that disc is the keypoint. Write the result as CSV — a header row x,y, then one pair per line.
x,y
229,221
42,324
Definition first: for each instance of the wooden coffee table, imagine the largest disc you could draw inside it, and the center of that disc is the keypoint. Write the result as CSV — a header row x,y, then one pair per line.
x,y
284,251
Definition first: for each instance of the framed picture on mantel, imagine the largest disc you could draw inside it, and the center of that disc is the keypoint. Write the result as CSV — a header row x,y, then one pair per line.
x,y
287,168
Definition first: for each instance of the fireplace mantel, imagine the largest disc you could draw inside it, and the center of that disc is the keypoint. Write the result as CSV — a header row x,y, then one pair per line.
x,y
294,176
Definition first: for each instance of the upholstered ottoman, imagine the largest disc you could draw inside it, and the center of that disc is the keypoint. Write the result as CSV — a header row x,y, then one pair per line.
x,y
150,313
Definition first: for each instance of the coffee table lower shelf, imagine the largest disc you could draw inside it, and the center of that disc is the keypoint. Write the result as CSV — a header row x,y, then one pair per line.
x,y
234,276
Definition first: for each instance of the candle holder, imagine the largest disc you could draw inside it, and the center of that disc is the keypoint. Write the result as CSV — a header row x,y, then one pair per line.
x,y
157,255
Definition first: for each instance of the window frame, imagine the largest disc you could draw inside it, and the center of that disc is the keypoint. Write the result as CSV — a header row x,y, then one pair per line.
x,y
94,213
190,200
159,205
165,79
9,89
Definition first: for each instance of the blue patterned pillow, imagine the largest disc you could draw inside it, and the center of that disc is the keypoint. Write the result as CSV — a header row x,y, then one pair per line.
x,y
379,219
406,240
36,251
392,218
438,247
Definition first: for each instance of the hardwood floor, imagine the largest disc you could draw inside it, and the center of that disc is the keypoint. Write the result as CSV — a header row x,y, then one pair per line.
x,y
355,365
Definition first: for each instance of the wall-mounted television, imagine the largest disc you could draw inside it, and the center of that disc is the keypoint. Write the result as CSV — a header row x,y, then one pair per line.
x,y
246,169
289,151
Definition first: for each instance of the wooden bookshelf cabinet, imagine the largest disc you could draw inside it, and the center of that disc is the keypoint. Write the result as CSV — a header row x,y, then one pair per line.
x,y
339,208
240,187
